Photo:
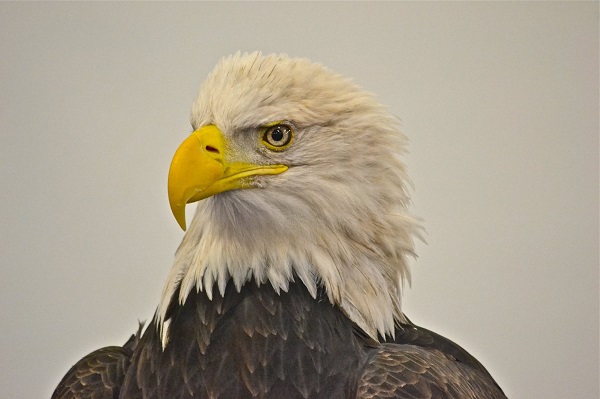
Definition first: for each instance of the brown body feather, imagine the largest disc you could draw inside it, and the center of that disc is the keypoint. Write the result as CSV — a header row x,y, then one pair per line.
x,y
260,344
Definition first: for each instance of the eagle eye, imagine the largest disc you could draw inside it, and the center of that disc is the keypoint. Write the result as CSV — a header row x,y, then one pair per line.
x,y
278,137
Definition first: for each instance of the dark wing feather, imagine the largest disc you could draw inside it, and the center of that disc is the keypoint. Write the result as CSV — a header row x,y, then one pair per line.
x,y
408,371
410,334
99,375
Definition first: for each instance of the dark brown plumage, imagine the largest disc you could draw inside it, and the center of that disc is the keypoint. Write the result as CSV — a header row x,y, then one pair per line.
x,y
258,344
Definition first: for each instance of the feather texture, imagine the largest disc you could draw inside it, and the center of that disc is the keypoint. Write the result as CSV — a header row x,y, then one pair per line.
x,y
259,344
100,374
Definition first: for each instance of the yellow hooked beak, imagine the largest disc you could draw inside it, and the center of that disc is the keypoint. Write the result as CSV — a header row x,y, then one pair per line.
x,y
200,169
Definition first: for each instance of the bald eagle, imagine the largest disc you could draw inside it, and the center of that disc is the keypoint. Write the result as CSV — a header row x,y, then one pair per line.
x,y
287,283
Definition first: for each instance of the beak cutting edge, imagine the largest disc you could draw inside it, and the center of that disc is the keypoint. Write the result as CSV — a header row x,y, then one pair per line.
x,y
200,169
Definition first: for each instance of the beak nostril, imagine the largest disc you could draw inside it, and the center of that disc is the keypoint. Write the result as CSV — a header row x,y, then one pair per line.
x,y
211,149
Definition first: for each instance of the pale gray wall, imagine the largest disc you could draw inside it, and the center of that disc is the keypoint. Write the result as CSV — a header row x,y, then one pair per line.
x,y
500,101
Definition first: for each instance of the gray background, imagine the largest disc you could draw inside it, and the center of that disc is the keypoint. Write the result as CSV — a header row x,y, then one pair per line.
x,y
500,101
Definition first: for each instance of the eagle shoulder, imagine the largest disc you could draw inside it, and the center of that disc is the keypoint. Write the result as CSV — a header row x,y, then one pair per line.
x,y
422,364
99,374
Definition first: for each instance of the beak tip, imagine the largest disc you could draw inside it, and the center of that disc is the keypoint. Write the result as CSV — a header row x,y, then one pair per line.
x,y
179,214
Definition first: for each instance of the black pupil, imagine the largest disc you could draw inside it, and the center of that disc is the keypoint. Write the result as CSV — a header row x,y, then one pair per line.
x,y
277,134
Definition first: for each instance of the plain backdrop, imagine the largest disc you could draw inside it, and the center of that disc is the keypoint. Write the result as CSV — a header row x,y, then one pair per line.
x,y
499,100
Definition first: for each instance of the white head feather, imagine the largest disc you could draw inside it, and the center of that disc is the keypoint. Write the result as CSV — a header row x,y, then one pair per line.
x,y
337,217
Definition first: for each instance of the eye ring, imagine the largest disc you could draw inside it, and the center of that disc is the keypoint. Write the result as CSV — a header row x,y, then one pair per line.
x,y
278,137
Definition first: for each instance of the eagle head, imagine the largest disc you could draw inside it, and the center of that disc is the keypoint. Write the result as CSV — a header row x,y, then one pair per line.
x,y
298,174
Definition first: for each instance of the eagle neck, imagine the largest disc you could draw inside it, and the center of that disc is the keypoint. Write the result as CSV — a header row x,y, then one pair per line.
x,y
232,240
